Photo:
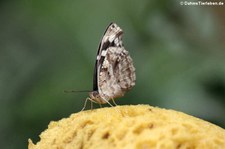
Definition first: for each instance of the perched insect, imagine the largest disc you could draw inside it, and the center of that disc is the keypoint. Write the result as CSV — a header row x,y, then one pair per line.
x,y
114,73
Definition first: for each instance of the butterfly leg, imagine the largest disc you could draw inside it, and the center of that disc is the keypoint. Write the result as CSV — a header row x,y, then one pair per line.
x,y
109,103
91,105
100,105
114,102
85,103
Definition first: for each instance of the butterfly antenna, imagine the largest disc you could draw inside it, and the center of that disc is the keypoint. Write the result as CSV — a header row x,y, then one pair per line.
x,y
74,91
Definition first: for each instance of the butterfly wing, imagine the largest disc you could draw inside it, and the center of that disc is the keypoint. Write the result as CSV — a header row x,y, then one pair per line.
x,y
117,74
114,73
103,46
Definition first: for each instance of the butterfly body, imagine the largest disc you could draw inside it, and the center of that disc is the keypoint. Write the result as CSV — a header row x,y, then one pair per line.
x,y
114,73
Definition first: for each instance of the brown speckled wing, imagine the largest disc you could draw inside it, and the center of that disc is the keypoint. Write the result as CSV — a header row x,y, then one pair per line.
x,y
117,74
114,73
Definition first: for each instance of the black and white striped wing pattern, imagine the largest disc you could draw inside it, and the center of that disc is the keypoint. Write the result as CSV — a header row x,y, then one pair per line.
x,y
114,72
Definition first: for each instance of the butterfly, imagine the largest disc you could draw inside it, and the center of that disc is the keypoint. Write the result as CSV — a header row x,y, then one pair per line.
x,y
114,72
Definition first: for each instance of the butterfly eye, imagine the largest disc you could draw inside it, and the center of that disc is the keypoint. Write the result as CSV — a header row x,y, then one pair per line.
x,y
113,26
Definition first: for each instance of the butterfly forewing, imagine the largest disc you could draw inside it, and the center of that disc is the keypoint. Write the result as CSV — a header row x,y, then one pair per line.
x,y
114,72
103,46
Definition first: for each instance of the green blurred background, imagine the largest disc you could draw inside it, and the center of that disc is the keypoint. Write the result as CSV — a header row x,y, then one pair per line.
x,y
47,47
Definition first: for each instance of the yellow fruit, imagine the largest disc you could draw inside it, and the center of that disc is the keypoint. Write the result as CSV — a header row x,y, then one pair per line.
x,y
131,127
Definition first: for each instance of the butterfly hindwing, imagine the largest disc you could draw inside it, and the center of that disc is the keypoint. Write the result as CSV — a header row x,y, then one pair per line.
x,y
117,74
